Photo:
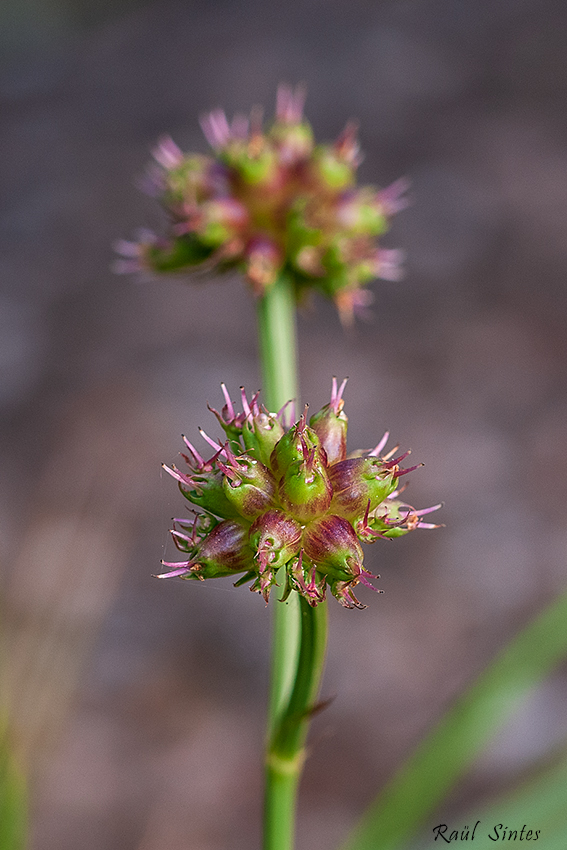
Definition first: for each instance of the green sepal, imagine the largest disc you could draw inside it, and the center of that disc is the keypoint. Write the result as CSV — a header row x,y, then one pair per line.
x,y
332,170
289,449
261,435
210,495
304,492
250,489
184,251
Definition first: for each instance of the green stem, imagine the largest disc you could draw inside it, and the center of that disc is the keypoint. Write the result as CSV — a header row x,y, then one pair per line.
x,y
286,754
278,359
300,632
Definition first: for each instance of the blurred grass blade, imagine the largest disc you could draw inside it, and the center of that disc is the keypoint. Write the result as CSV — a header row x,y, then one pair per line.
x,y
539,803
13,803
449,750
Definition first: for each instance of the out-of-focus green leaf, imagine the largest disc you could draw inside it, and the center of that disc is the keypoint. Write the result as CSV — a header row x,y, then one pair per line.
x,y
449,750
13,804
539,805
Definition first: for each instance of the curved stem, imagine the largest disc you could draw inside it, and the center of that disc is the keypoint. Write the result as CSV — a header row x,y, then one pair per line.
x,y
300,632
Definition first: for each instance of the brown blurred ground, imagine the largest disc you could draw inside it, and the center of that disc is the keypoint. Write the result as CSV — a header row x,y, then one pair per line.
x,y
139,705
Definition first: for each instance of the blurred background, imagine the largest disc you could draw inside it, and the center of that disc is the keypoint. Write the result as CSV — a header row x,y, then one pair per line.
x,y
137,706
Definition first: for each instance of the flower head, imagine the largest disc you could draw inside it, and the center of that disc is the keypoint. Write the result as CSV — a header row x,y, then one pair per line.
x,y
271,201
273,496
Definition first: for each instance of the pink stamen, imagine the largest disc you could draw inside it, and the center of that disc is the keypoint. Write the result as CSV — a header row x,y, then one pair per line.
x,y
215,128
376,451
180,569
401,472
245,405
179,476
198,459
424,511
167,153
212,443
390,198
393,451
398,459
365,581
180,536
228,400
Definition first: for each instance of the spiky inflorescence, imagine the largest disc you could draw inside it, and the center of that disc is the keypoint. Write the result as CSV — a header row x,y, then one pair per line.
x,y
271,201
275,496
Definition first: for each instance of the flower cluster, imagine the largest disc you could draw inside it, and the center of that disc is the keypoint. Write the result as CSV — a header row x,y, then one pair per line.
x,y
271,202
274,496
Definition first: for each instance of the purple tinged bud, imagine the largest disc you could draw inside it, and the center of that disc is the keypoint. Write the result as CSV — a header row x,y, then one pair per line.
x,y
188,183
330,424
275,539
331,544
227,547
356,481
254,165
223,552
291,134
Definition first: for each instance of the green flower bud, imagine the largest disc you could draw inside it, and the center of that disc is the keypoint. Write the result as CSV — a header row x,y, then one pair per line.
x,y
330,170
305,490
205,489
293,445
220,221
255,164
294,142
247,484
260,434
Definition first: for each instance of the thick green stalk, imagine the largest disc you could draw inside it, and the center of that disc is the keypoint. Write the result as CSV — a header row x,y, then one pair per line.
x,y
286,754
278,359
300,632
